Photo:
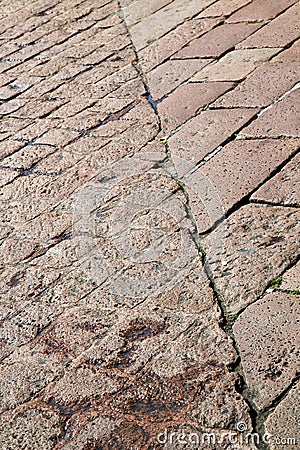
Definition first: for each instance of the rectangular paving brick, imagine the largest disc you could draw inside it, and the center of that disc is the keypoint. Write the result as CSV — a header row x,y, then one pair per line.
x,y
186,100
290,54
159,23
235,65
167,45
217,41
241,166
205,132
282,119
263,86
223,8
284,187
259,10
171,74
278,33
136,11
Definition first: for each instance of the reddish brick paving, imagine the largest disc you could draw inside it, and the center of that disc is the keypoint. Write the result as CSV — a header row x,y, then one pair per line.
x,y
149,228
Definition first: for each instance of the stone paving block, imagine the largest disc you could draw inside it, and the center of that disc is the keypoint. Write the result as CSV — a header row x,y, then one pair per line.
x,y
171,74
255,245
263,86
290,54
223,8
260,11
205,132
283,422
186,100
235,171
291,279
136,11
282,119
276,316
278,33
217,41
284,187
19,429
167,45
164,20
235,65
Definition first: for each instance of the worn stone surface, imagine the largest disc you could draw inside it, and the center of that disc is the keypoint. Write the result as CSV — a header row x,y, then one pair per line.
x,y
186,100
281,31
291,279
280,120
283,188
251,249
235,65
259,11
276,316
217,41
263,86
113,321
205,132
283,423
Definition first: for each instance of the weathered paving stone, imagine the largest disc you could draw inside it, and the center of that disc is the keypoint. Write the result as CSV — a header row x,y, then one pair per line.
x,y
157,52
291,279
33,425
223,8
290,54
186,100
278,33
255,245
263,86
267,334
280,120
154,394
260,11
233,171
283,423
205,132
136,11
283,188
235,65
217,41
156,25
172,73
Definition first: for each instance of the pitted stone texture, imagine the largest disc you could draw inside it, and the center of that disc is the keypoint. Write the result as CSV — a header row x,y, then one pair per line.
x,y
186,100
134,380
156,25
217,41
171,74
136,11
257,243
235,65
33,425
263,86
205,132
291,279
167,45
223,8
238,169
268,336
284,187
278,33
260,11
291,54
283,422
282,119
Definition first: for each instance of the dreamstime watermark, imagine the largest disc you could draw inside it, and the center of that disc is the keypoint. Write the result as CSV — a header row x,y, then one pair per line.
x,y
132,230
241,437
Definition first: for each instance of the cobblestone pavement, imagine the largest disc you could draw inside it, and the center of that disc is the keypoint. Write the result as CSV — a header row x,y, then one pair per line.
x,y
149,224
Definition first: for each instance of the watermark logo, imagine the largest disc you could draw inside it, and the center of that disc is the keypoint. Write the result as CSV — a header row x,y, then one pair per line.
x,y
132,228
242,437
